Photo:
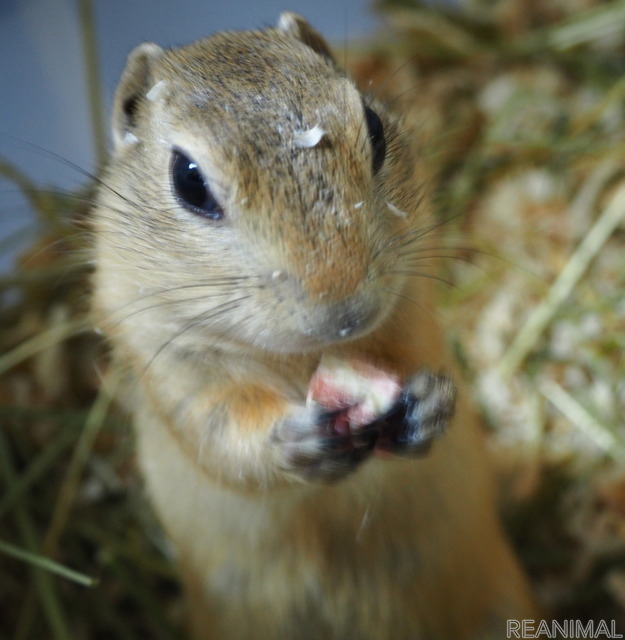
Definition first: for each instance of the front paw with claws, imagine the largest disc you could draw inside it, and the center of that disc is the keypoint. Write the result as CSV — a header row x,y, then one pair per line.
x,y
354,410
420,415
317,445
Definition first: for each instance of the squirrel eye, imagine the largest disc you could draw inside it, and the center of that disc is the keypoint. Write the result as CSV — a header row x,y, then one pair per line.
x,y
191,189
376,136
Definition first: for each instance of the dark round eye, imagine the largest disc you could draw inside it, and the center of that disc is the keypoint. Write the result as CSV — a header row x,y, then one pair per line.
x,y
191,189
376,136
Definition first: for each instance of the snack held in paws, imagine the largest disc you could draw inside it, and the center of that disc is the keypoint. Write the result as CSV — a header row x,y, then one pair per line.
x,y
374,407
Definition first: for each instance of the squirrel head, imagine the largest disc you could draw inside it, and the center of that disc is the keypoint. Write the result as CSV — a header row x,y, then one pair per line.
x,y
254,192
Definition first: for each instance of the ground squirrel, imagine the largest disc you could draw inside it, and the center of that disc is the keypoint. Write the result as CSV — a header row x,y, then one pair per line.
x,y
255,241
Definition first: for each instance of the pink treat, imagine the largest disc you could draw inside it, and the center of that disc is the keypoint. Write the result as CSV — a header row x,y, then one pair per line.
x,y
364,391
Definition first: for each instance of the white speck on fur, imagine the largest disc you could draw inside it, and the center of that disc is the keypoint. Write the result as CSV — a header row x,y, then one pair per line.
x,y
157,91
130,138
277,275
358,205
285,21
396,211
363,524
308,139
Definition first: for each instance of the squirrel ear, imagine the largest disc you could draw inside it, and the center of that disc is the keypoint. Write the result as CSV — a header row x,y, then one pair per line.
x,y
296,27
135,83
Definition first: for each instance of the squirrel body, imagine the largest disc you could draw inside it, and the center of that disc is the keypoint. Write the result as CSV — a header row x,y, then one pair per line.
x,y
258,213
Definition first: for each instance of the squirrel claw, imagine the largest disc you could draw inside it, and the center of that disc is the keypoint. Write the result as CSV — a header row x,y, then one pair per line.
x,y
419,416
318,446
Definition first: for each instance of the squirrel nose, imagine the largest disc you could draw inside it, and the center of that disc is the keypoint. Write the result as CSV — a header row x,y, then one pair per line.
x,y
346,331
350,326
345,319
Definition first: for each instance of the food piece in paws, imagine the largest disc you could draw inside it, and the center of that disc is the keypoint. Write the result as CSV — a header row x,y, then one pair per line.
x,y
364,391
368,402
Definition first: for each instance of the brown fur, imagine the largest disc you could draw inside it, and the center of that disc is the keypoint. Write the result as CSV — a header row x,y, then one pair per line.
x,y
223,323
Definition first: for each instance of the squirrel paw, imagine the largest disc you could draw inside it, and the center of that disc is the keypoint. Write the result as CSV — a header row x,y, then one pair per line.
x,y
420,414
320,442
318,445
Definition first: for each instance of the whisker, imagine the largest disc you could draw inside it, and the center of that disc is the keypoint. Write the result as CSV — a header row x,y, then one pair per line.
x,y
380,88
421,256
216,281
420,232
454,252
403,296
195,322
422,274
112,323
93,178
